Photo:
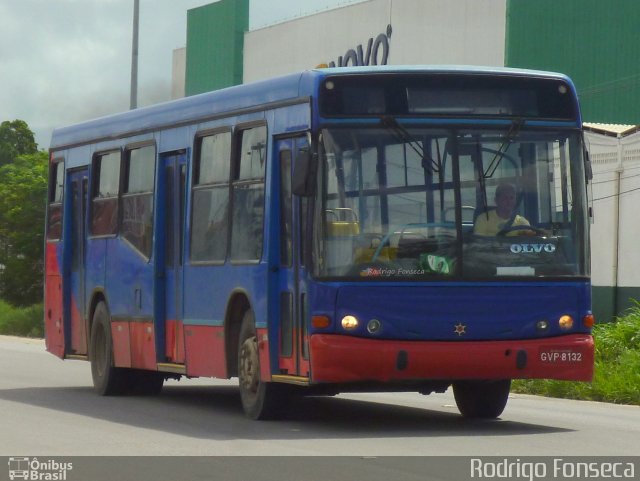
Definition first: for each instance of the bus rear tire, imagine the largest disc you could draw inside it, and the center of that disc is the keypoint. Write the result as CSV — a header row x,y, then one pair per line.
x,y
481,399
107,379
260,400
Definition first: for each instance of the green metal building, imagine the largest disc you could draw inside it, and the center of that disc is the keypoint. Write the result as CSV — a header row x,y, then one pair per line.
x,y
592,41
215,42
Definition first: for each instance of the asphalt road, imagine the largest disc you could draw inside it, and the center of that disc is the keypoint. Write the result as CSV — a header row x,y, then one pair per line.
x,y
48,407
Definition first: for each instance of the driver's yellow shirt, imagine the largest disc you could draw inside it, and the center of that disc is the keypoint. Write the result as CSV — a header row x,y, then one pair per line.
x,y
490,223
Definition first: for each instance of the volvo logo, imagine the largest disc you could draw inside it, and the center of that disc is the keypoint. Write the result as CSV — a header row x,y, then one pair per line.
x,y
376,53
532,248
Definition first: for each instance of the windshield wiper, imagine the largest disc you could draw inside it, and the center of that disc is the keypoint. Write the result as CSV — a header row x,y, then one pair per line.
x,y
403,135
515,127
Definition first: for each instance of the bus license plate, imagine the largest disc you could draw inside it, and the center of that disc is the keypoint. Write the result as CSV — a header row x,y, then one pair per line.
x,y
560,356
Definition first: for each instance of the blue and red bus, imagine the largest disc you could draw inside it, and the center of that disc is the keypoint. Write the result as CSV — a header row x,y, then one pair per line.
x,y
314,233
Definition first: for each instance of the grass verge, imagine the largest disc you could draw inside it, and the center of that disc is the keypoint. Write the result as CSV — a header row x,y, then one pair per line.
x,y
21,321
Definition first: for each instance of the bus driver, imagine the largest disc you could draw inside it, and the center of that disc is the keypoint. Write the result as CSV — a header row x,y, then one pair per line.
x,y
493,221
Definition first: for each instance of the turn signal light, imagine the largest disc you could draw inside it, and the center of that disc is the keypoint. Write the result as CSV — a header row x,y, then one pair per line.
x,y
565,322
589,321
320,322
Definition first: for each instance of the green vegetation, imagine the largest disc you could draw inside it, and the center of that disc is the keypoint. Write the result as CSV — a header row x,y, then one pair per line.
x,y
16,138
23,195
617,366
21,321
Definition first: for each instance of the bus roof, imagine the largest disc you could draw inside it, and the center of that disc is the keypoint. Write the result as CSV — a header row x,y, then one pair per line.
x,y
291,88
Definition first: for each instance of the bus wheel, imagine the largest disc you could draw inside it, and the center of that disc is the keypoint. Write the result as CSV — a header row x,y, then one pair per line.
x,y
107,379
260,400
481,399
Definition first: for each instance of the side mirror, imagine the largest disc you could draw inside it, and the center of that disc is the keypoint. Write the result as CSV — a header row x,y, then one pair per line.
x,y
587,166
303,182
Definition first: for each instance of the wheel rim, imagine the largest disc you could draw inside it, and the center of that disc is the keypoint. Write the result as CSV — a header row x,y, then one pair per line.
x,y
249,367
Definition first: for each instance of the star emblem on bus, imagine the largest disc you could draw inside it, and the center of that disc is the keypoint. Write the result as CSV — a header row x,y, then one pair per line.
x,y
460,329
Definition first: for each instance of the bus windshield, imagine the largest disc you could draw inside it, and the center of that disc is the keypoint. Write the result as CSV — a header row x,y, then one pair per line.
x,y
418,203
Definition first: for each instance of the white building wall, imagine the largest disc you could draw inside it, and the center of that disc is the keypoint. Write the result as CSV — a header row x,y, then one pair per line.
x,y
616,196
179,65
629,269
470,32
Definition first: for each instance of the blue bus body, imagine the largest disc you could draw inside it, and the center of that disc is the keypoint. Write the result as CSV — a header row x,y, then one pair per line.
x,y
180,243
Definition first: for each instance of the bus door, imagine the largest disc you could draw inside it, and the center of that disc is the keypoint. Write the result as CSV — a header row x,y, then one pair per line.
x,y
74,302
293,352
172,200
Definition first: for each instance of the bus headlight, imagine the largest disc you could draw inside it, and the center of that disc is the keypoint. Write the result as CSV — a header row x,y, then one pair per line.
x,y
349,323
542,325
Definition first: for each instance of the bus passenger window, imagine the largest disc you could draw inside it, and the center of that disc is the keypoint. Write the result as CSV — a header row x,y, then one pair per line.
x,y
286,240
137,199
210,212
248,195
106,187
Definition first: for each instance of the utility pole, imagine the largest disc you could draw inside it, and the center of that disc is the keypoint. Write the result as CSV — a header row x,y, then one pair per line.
x,y
134,56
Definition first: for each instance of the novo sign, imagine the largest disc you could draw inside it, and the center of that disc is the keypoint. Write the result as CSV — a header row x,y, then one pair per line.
x,y
376,52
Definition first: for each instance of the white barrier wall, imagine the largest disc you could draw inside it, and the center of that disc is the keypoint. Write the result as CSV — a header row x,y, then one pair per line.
x,y
629,270
615,256
470,32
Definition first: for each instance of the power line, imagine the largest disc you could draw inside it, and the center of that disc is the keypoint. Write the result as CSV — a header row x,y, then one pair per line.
x,y
616,195
615,180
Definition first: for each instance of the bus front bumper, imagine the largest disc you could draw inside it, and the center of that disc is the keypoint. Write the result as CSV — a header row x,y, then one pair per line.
x,y
347,359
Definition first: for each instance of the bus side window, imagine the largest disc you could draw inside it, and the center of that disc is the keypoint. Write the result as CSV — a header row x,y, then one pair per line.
x,y
56,189
286,256
137,198
210,211
106,188
248,195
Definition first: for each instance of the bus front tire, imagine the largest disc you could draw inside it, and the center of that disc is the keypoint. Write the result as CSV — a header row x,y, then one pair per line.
x,y
107,379
260,400
481,399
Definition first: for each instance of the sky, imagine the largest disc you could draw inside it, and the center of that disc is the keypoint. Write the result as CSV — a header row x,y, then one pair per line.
x,y
66,61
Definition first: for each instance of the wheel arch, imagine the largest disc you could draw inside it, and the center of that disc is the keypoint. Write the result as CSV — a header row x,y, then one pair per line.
x,y
237,305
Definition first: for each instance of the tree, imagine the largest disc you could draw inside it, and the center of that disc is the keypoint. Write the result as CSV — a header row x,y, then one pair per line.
x,y
23,192
15,139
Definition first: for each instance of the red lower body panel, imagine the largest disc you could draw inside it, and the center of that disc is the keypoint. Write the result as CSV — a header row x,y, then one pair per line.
x,y
205,351
345,359
121,344
174,349
143,347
